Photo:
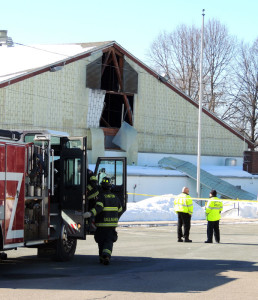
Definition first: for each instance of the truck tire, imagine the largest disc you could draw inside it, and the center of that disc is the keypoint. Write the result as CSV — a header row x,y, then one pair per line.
x,y
65,246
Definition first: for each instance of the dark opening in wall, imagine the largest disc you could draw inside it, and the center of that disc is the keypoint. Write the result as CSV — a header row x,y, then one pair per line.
x,y
113,73
109,79
115,111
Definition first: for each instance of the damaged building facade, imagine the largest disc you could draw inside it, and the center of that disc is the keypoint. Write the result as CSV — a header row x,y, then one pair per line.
x,y
102,91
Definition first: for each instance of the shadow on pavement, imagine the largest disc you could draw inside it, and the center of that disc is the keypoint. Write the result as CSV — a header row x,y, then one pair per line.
x,y
131,274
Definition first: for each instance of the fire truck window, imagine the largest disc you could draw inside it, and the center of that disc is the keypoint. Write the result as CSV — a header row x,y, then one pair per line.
x,y
72,171
73,144
29,138
113,170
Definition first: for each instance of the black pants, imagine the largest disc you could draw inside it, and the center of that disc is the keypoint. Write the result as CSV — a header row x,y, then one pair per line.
x,y
184,219
105,237
213,227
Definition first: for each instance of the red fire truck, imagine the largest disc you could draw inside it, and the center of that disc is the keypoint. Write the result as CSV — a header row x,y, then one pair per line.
x,y
43,176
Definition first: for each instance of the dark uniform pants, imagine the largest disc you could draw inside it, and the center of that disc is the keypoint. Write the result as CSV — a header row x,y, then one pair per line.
x,y
184,219
213,227
105,237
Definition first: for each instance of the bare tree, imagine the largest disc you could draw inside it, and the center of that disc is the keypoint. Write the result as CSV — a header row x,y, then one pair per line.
x,y
219,50
242,111
177,55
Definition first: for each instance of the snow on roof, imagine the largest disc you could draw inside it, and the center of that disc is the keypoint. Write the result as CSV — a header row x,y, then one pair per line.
x,y
221,171
21,59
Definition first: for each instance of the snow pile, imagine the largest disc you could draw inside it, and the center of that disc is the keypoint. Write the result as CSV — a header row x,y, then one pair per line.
x,y
240,210
159,208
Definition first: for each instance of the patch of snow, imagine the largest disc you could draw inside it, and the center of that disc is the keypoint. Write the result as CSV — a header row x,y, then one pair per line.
x,y
161,208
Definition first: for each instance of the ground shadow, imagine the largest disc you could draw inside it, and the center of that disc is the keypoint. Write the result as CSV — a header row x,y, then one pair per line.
x,y
131,274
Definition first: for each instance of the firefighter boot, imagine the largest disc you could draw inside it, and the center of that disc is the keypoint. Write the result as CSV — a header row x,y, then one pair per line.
x,y
106,259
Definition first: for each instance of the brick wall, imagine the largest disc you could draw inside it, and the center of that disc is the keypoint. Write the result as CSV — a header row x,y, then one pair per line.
x,y
165,122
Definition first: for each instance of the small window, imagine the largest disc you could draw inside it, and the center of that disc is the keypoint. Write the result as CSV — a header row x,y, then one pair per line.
x,y
72,172
113,170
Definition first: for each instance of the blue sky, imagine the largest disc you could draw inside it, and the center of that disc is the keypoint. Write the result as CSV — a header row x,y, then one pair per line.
x,y
134,24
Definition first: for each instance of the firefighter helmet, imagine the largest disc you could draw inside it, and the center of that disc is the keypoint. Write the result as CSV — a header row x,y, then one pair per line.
x,y
106,183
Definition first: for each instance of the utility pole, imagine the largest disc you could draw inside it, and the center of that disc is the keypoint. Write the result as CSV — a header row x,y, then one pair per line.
x,y
198,188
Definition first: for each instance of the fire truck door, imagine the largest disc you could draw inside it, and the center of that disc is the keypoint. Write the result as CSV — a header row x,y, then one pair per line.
x,y
116,169
73,184
2,190
14,193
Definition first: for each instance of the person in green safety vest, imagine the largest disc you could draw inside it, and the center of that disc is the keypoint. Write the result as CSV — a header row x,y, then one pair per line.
x,y
213,211
183,206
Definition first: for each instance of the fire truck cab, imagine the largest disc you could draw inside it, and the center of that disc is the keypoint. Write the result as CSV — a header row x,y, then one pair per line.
x,y
43,190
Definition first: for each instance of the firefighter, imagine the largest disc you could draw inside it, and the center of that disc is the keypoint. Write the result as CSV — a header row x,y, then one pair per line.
x,y
213,211
92,188
183,206
107,211
92,196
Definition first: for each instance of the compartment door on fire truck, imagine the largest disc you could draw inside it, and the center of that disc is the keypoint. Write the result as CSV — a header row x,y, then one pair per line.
x,y
115,169
73,184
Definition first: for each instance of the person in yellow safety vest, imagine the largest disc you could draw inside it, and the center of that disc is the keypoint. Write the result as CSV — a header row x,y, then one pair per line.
x,y
183,206
213,211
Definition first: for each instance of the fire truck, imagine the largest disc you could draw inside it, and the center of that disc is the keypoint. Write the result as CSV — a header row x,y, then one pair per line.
x,y
43,191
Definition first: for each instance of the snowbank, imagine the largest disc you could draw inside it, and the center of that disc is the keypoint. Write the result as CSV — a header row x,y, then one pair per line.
x,y
240,210
161,208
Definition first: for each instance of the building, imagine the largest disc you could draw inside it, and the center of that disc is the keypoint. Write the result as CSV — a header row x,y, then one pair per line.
x,y
103,91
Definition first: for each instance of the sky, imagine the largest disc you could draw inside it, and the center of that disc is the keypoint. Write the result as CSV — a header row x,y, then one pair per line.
x,y
133,24
160,208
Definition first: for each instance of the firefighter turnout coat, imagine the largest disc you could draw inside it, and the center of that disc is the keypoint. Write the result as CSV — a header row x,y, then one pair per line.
x,y
213,209
107,210
92,187
183,203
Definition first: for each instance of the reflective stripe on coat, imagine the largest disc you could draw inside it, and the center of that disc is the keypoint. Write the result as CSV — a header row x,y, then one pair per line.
x,y
213,209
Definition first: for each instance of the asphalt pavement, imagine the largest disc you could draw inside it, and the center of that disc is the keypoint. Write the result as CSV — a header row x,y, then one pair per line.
x,y
147,263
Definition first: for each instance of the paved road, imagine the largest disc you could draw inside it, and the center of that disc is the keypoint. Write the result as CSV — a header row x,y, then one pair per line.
x,y
147,263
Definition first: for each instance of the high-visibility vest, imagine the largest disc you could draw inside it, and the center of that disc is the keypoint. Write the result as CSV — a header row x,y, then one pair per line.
x,y
183,203
213,209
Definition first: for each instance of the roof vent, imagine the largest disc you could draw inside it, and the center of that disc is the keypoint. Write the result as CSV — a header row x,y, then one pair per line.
x,y
4,39
232,162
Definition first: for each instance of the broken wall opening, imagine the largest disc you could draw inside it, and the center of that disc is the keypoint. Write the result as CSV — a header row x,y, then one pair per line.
x,y
115,111
112,74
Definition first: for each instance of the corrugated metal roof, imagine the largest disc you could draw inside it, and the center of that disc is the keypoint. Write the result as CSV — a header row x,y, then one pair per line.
x,y
210,181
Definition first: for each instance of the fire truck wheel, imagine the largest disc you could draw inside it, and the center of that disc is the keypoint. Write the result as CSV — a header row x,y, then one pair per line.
x,y
65,246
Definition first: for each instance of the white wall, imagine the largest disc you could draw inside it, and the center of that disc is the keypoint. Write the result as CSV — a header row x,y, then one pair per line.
x,y
159,185
152,159
148,186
